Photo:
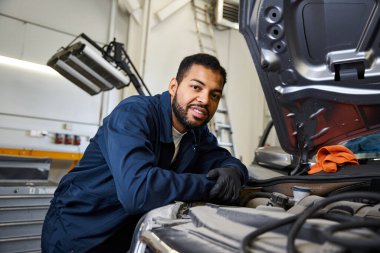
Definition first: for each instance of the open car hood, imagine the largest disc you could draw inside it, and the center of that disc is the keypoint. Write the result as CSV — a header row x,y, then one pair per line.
x,y
319,66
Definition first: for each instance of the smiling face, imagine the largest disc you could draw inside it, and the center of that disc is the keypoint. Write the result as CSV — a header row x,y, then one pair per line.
x,y
195,100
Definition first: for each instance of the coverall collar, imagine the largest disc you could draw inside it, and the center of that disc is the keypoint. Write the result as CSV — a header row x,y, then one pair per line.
x,y
166,135
166,113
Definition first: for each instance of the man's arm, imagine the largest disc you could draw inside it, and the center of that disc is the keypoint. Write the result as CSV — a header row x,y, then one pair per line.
x,y
229,173
213,156
129,147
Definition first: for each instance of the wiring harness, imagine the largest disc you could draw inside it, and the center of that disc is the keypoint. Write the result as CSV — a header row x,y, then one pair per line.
x,y
364,245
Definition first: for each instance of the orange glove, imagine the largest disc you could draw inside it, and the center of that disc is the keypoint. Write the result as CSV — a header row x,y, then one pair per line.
x,y
329,157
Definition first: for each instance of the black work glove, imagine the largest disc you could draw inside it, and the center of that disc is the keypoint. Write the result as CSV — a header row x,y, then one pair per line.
x,y
227,187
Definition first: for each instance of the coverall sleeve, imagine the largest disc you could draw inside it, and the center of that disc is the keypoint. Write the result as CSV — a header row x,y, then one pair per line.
x,y
129,139
211,156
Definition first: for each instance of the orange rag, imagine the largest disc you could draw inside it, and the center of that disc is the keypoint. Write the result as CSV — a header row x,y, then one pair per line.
x,y
329,157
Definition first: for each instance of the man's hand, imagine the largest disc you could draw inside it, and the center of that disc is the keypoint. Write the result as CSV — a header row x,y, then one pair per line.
x,y
228,183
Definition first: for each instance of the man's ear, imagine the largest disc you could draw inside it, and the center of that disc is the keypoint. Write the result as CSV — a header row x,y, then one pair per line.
x,y
173,85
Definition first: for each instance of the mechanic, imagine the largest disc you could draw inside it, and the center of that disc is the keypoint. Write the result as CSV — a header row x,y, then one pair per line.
x,y
149,152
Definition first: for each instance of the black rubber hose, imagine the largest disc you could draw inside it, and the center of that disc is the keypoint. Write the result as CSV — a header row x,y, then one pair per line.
x,y
310,211
245,244
363,243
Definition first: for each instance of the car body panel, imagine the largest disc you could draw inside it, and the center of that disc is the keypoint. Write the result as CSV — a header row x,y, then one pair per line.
x,y
319,66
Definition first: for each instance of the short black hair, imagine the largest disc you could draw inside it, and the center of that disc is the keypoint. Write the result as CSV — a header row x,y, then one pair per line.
x,y
206,60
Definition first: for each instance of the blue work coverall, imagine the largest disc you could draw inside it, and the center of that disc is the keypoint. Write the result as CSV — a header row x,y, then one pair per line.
x,y
126,171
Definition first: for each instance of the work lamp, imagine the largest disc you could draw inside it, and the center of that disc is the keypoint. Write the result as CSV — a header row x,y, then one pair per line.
x,y
95,69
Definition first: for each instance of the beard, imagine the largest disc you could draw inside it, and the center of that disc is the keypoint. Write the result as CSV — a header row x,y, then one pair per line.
x,y
180,114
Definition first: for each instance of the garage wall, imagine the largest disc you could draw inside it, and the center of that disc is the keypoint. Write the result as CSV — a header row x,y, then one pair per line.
x,y
33,30
244,97
170,40
34,98
40,27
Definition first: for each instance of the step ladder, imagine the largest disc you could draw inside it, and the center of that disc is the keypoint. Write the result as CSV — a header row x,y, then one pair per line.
x,y
220,124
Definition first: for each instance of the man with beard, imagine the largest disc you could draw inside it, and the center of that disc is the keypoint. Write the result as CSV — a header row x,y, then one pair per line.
x,y
149,152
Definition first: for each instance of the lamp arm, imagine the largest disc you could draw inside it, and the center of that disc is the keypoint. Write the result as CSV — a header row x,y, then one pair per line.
x,y
122,60
124,66
136,79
